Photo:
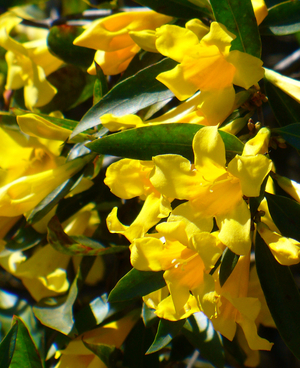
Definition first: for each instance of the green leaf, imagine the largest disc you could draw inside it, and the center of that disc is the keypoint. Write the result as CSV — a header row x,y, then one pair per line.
x,y
7,347
166,331
283,19
70,82
130,95
281,293
285,108
291,134
60,42
25,353
199,330
182,9
148,141
100,87
285,213
228,262
109,354
238,17
57,313
12,3
148,316
25,238
136,284
76,246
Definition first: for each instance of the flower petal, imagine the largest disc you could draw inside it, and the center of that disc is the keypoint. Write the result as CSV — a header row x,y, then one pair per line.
x,y
235,228
219,36
251,170
249,68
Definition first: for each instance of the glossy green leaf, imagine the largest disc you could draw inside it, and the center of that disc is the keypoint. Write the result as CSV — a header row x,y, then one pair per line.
x,y
285,213
238,17
199,330
26,237
60,42
25,352
145,142
285,108
228,262
182,9
109,354
290,133
283,19
57,313
77,246
166,331
100,87
281,293
70,82
7,347
130,95
148,316
136,284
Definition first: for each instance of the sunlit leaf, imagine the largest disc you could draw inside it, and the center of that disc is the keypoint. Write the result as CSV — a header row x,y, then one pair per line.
x,y
26,237
76,246
238,16
130,95
228,262
283,19
285,213
290,133
145,142
199,330
25,352
166,331
7,347
136,284
286,109
281,293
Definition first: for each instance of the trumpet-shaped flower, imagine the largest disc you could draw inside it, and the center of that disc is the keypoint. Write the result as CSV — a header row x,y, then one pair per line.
x,y
28,64
128,179
186,262
207,65
235,307
23,194
212,190
110,37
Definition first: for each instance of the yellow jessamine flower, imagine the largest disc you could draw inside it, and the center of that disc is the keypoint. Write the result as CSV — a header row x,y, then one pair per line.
x,y
236,307
110,37
212,190
186,261
128,179
28,64
206,64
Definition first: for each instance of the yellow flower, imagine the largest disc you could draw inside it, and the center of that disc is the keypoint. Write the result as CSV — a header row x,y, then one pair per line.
x,y
212,190
128,179
110,37
206,64
23,194
78,355
186,253
28,64
235,307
